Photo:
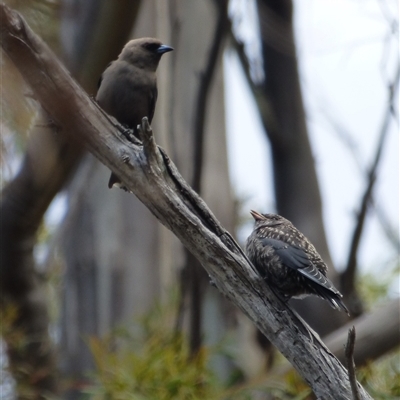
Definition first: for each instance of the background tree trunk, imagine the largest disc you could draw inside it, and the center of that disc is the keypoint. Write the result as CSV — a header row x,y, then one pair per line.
x,y
295,180
92,34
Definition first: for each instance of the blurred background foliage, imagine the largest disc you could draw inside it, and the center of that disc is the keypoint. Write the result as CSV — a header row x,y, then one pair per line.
x,y
155,364
150,360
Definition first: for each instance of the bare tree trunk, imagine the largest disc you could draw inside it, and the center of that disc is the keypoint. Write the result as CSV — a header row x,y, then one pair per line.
x,y
93,33
295,180
197,65
194,281
113,271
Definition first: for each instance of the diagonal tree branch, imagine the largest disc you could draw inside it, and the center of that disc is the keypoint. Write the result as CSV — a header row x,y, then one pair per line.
x,y
147,171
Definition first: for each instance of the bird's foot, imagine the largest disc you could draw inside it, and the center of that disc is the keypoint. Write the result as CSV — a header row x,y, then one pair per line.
x,y
129,134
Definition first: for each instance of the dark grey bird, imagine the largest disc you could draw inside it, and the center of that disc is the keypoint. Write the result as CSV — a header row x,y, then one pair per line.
x,y
127,89
288,261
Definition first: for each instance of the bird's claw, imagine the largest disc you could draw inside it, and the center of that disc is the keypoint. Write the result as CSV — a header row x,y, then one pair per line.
x,y
129,135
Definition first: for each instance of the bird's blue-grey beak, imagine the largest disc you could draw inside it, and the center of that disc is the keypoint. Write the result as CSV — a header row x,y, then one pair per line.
x,y
164,49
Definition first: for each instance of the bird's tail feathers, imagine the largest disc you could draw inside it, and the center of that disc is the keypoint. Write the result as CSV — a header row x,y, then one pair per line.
x,y
334,299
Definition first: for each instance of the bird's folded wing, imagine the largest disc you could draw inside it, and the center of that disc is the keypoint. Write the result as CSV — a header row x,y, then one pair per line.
x,y
296,258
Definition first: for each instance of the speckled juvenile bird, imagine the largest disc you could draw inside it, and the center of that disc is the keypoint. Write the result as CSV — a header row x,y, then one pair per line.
x,y
128,87
288,261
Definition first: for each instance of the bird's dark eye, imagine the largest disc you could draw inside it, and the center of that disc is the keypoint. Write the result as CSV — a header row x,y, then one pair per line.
x,y
151,46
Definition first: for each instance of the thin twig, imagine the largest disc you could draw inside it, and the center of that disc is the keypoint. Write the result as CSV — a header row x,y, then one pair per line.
x,y
351,367
348,276
346,137
203,93
193,279
239,48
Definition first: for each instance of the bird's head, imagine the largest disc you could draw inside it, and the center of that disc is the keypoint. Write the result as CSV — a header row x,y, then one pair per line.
x,y
267,219
144,52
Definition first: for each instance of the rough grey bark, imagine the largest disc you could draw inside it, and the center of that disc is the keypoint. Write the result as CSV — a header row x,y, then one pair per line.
x,y
149,173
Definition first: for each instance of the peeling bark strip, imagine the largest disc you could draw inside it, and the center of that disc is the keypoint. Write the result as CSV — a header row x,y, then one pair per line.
x,y
153,178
